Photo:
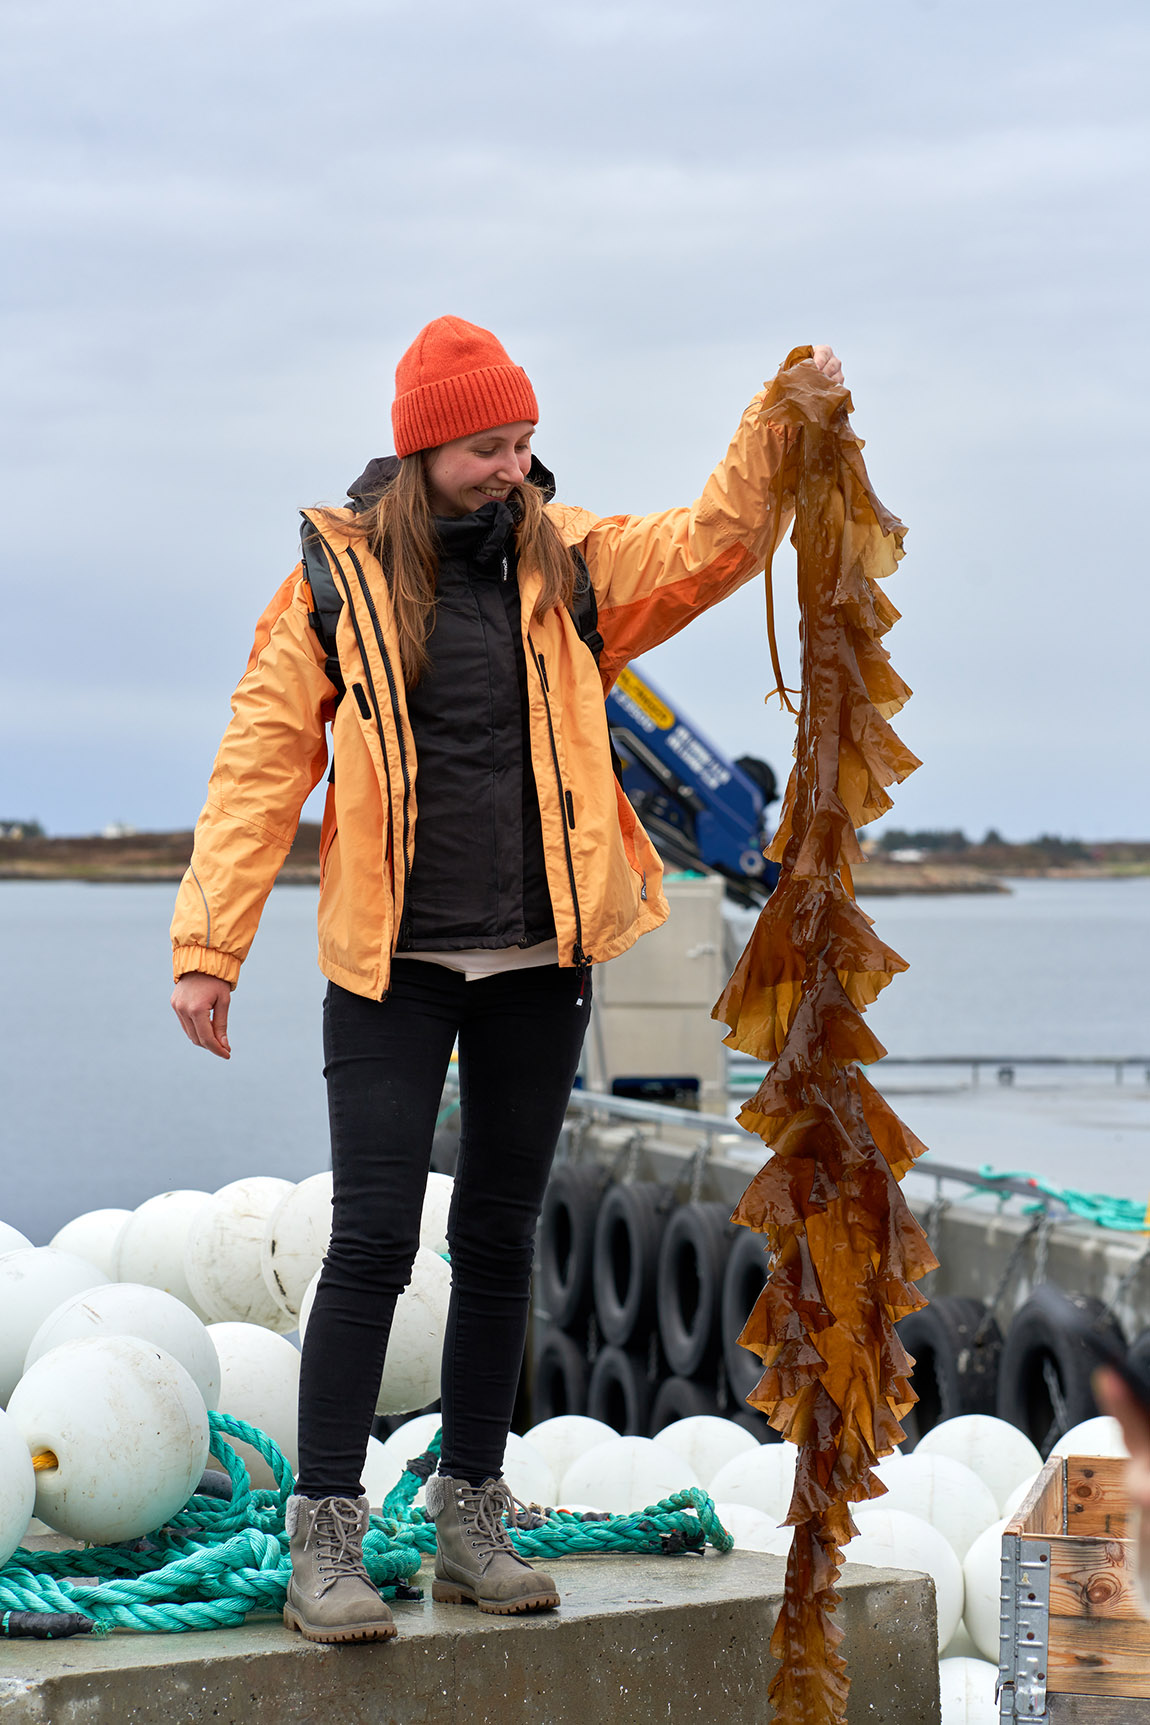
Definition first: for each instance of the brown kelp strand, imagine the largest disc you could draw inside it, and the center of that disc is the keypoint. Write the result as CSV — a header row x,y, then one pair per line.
x,y
845,1248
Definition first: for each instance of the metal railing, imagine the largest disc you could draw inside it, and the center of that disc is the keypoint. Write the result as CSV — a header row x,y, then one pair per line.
x,y
742,1070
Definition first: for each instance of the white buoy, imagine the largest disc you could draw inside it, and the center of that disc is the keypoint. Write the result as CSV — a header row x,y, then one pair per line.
x,y
150,1245
12,1240
996,1451
528,1473
707,1443
222,1254
942,1491
763,1478
966,1690
565,1437
259,1383
436,1204
747,1527
130,1309
93,1236
404,1444
17,1487
982,1570
1018,1496
415,1345
1101,1436
128,1432
626,1474
891,1539
33,1282
295,1240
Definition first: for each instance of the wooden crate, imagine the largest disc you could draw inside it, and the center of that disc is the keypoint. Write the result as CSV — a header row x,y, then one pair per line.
x,y
1075,1641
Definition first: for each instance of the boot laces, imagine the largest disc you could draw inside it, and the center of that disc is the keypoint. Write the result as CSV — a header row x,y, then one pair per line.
x,y
485,1507
335,1532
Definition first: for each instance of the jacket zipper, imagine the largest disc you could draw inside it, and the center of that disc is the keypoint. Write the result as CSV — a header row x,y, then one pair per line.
x,y
338,576
391,687
578,956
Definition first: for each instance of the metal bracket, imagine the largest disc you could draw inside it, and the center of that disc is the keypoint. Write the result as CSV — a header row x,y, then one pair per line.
x,y
1024,1628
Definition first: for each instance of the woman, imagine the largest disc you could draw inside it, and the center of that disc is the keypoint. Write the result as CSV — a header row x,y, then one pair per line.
x,y
477,858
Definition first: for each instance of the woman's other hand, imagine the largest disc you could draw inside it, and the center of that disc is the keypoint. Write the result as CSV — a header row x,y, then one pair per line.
x,y
1115,1398
826,360
201,1004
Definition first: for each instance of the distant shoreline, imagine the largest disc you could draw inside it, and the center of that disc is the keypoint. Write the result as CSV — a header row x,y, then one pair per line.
x,y
131,858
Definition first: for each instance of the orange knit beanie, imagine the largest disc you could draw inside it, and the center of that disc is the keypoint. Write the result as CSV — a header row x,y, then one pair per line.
x,y
454,379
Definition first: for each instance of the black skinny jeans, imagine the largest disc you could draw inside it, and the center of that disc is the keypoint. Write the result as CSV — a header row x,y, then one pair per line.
x,y
520,1033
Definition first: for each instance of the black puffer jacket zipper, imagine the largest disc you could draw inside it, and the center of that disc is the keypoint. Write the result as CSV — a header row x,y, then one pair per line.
x,y
580,959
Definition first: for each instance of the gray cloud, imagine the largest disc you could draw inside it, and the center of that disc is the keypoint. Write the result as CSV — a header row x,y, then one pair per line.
x,y
230,219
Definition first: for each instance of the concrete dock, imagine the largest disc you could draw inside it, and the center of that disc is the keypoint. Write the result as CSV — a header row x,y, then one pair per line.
x,y
678,1640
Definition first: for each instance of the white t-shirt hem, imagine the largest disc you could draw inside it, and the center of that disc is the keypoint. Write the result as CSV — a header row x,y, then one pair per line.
x,y
478,962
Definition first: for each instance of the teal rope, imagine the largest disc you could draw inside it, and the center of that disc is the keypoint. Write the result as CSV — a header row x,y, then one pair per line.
x,y
1124,1214
216,1561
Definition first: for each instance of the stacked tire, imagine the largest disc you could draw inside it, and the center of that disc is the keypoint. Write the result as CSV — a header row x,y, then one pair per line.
x,y
642,1301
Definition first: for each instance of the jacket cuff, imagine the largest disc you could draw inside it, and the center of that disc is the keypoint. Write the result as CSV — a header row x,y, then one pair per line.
x,y
206,959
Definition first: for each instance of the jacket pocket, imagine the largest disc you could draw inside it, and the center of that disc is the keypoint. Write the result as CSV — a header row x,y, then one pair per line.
x,y
628,821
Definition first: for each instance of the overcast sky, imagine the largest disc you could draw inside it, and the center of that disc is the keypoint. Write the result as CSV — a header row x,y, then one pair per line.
x,y
227,218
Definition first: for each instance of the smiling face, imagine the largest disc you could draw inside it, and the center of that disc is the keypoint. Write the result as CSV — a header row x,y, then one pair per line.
x,y
470,471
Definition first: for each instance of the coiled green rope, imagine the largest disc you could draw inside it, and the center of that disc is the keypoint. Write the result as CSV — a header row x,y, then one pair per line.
x,y
216,1561
1128,1215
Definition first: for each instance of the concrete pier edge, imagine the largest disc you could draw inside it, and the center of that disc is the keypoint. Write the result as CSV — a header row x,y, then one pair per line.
x,y
637,1639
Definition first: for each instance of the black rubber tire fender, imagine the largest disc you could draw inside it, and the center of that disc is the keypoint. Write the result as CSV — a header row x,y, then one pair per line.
x,y
618,1392
625,1260
1035,1353
692,1258
680,1399
559,1376
953,1373
565,1243
744,1279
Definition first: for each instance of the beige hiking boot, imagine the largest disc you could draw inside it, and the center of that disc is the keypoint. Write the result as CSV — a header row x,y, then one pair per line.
x,y
329,1596
475,1560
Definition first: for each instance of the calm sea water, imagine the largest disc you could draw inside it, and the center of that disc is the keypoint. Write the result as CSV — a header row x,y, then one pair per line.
x,y
105,1103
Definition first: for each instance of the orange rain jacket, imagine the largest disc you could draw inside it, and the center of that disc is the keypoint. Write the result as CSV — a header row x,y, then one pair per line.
x,y
651,575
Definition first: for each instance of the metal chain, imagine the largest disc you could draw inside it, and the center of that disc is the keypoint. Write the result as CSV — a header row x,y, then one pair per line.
x,y
693,1174
1126,1281
934,1217
1014,1259
1042,1246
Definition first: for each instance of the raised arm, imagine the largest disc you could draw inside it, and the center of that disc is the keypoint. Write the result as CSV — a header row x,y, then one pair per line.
x,y
653,573
272,755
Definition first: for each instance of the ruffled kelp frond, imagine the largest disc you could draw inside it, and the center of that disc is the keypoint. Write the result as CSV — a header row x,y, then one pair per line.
x,y
847,1250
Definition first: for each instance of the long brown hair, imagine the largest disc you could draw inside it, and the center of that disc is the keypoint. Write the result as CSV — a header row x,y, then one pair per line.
x,y
400,531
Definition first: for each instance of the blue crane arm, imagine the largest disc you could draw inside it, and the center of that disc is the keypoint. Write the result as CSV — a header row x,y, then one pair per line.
x,y
702,810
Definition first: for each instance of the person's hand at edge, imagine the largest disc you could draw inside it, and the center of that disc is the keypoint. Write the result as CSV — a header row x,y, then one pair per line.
x,y
1117,1399
201,1004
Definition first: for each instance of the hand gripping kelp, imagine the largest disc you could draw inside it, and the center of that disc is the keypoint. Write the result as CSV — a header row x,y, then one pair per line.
x,y
845,1247
218,1559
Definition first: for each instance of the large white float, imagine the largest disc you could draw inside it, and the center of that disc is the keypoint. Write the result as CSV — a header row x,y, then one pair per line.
x,y
33,1282
150,1245
222,1254
124,1433
131,1309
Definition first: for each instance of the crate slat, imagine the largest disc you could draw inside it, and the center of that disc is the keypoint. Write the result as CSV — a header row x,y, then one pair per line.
x,y
1096,1710
1094,1579
1096,1501
1098,1656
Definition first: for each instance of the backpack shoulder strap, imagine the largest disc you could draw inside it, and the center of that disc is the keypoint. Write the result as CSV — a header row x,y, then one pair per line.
x,y
585,607
327,600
